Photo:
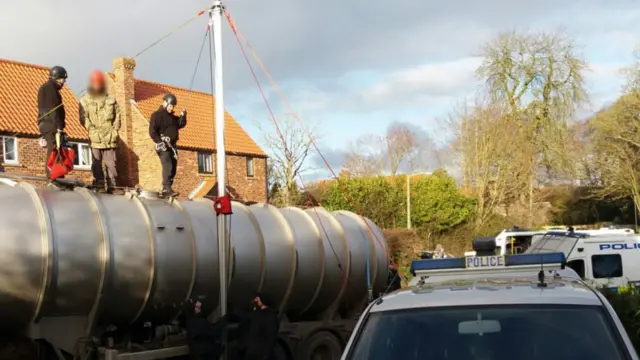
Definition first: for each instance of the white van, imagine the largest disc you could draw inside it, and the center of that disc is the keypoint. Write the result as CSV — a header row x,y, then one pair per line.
x,y
513,241
607,231
609,260
517,241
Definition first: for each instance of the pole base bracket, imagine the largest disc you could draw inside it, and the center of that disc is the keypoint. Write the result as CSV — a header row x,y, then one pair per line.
x,y
222,205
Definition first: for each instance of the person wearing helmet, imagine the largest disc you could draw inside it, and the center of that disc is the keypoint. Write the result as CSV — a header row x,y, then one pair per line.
x,y
51,113
100,114
164,127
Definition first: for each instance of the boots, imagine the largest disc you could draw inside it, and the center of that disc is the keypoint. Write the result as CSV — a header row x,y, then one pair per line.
x,y
98,185
168,192
111,185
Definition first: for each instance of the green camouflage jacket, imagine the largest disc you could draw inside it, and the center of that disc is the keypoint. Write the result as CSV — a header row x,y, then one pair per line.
x,y
101,116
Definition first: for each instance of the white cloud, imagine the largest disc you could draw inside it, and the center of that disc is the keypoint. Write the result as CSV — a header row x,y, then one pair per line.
x,y
434,80
421,51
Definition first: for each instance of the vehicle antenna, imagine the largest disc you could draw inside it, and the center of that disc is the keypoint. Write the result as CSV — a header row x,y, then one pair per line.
x,y
541,282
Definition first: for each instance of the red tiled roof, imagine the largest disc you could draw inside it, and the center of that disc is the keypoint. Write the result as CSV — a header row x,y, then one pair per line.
x,y
19,100
199,132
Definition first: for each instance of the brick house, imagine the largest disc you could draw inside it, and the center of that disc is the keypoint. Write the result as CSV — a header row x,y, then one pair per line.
x,y
138,164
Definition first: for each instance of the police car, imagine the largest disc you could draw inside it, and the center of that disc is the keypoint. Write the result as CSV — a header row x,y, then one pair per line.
x,y
491,307
609,260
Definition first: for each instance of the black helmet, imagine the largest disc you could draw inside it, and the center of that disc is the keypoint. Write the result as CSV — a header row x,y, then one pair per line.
x,y
170,99
57,72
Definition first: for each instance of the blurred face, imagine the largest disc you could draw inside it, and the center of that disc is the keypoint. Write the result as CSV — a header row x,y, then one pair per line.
x,y
96,87
197,307
169,107
61,82
257,302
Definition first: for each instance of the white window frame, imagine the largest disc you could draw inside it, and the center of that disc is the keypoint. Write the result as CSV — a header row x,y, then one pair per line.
x,y
251,161
4,150
79,156
208,161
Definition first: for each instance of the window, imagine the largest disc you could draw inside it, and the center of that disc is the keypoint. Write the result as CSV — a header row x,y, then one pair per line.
x,y
577,266
83,155
9,149
250,167
606,266
205,165
552,332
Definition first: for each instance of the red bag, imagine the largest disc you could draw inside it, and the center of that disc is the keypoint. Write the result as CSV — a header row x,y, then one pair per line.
x,y
60,162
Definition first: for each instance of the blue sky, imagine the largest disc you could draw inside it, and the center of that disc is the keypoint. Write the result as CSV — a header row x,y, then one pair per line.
x,y
350,67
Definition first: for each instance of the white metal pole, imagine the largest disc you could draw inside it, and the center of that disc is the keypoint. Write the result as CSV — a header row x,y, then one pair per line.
x,y
408,201
215,22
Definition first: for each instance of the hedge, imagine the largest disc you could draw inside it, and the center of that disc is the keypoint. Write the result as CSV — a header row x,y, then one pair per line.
x,y
436,202
626,303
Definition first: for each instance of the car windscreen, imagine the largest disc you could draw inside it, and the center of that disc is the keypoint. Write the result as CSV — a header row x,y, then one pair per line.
x,y
506,332
553,243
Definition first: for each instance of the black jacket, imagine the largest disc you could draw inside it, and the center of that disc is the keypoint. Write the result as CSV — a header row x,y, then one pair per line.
x,y
260,334
204,337
48,99
163,123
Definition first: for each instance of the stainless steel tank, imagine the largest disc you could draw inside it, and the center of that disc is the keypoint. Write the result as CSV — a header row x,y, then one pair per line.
x,y
129,258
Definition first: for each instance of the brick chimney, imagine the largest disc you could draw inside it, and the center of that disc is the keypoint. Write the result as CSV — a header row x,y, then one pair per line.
x,y
123,88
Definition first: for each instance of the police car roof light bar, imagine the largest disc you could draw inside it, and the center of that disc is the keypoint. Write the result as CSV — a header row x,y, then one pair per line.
x,y
548,261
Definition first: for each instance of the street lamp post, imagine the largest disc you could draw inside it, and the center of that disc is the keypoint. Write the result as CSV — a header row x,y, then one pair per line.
x,y
635,214
409,201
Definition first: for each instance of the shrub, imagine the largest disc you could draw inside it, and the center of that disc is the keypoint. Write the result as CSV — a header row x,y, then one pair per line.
x,y
626,303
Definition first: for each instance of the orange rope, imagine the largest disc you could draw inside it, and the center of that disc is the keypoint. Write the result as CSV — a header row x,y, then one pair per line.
x,y
286,149
239,35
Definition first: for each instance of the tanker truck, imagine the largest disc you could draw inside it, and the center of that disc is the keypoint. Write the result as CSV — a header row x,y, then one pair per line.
x,y
100,276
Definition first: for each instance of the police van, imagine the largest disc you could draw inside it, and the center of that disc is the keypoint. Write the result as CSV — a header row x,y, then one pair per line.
x,y
525,307
517,240
608,260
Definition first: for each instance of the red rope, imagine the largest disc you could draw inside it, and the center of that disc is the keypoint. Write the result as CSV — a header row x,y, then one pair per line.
x,y
237,35
282,138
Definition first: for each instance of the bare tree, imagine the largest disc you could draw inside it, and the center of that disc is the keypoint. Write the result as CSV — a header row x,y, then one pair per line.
x,y
290,148
366,156
616,139
491,171
538,79
373,155
632,73
401,145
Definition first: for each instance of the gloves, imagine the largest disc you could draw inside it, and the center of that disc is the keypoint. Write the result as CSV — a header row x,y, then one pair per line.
x,y
58,139
182,119
161,146
166,139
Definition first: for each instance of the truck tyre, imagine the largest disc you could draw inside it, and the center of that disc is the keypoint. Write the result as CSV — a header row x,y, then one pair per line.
x,y
322,345
280,352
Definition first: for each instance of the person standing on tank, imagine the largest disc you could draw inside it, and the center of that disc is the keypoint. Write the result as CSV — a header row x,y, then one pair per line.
x,y
100,114
164,128
51,114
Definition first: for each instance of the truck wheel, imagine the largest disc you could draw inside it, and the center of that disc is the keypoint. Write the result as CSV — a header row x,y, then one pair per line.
x,y
322,345
280,352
